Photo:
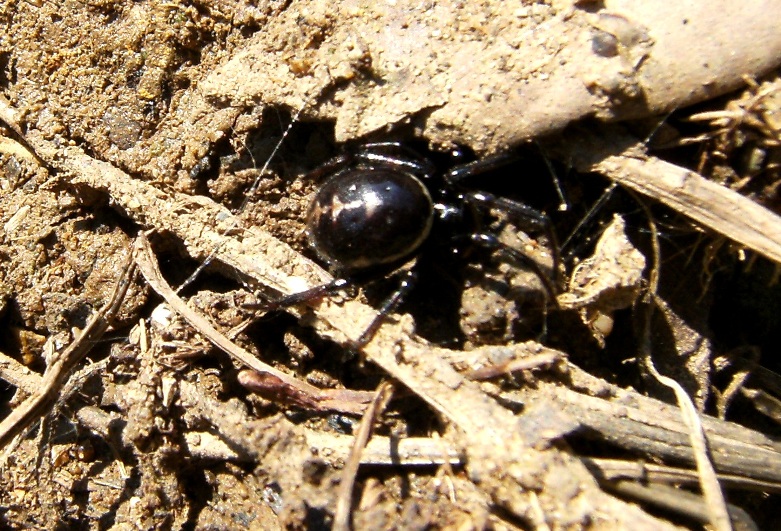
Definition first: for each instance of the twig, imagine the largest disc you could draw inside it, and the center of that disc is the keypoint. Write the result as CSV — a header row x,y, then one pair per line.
x,y
623,159
240,431
709,481
715,503
344,497
764,402
738,380
337,400
18,375
615,469
647,426
679,501
60,369
10,117
532,362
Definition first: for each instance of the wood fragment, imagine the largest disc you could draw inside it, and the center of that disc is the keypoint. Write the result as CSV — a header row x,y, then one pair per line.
x,y
18,375
650,427
59,370
325,399
614,469
680,502
382,397
623,159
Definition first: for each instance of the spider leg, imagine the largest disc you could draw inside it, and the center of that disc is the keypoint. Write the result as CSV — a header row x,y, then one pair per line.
x,y
302,297
457,175
407,282
376,154
395,155
492,243
526,218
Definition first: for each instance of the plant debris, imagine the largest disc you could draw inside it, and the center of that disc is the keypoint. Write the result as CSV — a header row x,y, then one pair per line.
x,y
183,138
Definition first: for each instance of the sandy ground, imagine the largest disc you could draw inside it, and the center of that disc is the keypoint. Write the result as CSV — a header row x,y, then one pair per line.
x,y
125,117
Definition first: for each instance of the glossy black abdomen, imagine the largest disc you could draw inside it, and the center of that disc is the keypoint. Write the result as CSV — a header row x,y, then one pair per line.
x,y
363,218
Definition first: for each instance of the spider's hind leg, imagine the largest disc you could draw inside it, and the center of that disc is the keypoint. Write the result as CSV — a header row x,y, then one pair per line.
x,y
407,279
527,219
491,242
302,297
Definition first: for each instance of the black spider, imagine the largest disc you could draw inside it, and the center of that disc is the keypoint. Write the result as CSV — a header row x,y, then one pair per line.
x,y
384,205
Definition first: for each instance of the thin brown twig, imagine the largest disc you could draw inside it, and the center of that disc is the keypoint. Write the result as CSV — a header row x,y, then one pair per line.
x,y
382,396
738,381
60,369
623,469
532,362
18,375
343,400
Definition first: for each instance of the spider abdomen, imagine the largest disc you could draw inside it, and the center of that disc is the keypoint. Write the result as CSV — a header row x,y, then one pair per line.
x,y
367,217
